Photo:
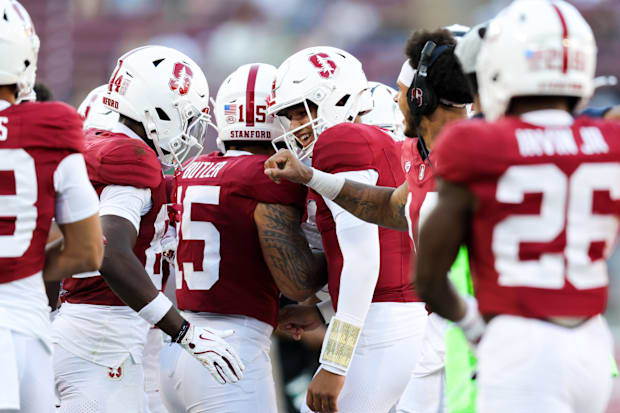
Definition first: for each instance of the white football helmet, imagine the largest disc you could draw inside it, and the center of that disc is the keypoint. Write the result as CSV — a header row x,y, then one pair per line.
x,y
168,94
241,105
458,31
330,78
385,114
535,47
19,47
94,113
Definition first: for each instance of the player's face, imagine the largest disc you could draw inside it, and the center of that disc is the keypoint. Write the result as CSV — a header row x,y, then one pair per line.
x,y
401,99
298,116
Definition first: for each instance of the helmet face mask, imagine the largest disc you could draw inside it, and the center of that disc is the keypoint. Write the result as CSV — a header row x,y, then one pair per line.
x,y
168,94
331,79
185,147
289,136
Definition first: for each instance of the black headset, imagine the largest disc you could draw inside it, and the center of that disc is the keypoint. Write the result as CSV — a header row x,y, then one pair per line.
x,y
421,97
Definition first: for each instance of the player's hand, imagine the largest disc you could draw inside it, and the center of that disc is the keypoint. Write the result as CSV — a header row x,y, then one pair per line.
x,y
208,346
472,323
294,319
286,165
169,245
323,392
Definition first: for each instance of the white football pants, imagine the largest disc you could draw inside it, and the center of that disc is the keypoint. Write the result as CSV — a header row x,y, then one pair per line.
x,y
530,365
27,378
425,392
86,387
187,386
150,363
384,359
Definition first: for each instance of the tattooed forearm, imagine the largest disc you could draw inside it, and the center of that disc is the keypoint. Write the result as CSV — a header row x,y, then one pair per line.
x,y
298,273
379,205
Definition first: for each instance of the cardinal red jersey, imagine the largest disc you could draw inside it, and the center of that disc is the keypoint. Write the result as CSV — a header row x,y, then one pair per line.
x,y
357,147
422,196
548,203
116,159
34,139
219,258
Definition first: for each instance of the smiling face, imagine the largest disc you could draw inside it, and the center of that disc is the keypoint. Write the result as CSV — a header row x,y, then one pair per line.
x,y
298,116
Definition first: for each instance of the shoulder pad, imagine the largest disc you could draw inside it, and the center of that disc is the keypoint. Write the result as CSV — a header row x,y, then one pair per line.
x,y
348,146
116,159
50,125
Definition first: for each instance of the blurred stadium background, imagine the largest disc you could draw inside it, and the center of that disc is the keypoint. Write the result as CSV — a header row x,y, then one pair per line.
x,y
81,40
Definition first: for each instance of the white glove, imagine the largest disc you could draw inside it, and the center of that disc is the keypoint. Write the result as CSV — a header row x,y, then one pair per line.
x,y
472,323
169,244
208,346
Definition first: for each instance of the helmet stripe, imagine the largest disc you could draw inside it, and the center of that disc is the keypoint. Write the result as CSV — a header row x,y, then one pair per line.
x,y
249,96
564,38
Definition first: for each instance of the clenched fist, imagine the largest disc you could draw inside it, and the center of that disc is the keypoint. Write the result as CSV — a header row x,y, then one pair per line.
x,y
286,165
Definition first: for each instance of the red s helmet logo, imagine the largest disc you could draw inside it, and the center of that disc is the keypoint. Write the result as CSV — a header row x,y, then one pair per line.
x,y
324,63
182,78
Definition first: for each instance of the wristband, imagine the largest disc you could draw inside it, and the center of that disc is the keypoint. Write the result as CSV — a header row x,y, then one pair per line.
x,y
406,74
154,311
326,309
339,345
472,323
179,336
325,184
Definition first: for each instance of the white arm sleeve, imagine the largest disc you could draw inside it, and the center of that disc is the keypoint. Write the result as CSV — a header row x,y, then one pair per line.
x,y
75,197
359,244
125,202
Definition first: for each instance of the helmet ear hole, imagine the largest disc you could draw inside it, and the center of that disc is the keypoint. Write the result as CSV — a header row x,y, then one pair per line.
x,y
162,114
343,101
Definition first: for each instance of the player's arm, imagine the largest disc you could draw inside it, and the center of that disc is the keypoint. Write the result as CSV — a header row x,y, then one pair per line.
x,y
441,235
81,247
121,209
296,270
379,205
360,248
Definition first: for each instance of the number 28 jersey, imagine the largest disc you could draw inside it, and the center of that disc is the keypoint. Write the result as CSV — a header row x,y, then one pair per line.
x,y
547,213
220,265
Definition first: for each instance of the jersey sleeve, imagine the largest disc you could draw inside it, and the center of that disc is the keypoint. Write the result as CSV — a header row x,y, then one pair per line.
x,y
123,161
344,147
125,202
258,186
463,152
75,197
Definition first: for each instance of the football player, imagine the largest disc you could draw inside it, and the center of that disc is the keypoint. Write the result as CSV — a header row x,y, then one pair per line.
x,y
240,245
374,313
536,195
42,176
97,115
161,97
428,102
